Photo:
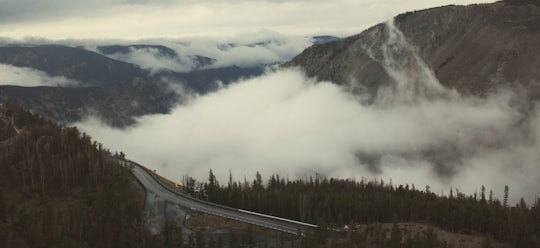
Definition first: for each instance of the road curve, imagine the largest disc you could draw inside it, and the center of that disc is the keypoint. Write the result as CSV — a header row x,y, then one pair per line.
x,y
275,223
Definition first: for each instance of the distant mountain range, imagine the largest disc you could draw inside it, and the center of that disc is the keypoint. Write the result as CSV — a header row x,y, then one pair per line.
x,y
87,67
113,90
162,51
473,49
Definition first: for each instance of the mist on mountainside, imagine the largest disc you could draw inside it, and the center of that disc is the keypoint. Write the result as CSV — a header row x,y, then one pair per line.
x,y
28,77
440,96
411,130
116,80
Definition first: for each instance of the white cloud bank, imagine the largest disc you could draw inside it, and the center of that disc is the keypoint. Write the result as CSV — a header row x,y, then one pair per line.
x,y
23,76
150,58
244,50
415,132
287,124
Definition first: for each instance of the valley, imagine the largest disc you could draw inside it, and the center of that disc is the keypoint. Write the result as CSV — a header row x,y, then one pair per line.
x,y
419,131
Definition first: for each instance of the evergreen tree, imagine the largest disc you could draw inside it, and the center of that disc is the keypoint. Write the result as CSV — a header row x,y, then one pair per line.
x,y
505,201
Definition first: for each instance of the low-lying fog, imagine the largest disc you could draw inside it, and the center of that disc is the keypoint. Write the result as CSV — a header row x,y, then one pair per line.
x,y
284,123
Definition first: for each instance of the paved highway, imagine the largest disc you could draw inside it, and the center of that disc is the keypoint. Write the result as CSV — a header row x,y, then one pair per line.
x,y
262,220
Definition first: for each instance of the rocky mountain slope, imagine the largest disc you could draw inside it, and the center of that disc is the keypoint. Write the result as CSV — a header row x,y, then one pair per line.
x,y
474,49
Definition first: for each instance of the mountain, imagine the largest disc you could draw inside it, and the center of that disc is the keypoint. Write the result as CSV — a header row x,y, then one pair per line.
x,y
201,79
322,39
112,49
474,49
161,51
115,104
205,81
85,66
118,83
114,91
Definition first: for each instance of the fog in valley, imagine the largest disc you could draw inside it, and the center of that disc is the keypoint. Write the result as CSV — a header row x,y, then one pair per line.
x,y
415,132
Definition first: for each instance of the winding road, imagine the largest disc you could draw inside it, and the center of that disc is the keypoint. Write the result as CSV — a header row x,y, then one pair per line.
x,y
275,223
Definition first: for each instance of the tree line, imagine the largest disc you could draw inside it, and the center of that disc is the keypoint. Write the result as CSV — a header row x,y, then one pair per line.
x,y
58,188
338,202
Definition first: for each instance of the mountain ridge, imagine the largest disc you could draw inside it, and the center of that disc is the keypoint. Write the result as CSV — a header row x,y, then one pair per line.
x,y
85,66
114,91
473,49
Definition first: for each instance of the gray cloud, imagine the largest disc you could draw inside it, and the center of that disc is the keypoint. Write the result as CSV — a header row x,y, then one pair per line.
x,y
21,10
133,19
31,10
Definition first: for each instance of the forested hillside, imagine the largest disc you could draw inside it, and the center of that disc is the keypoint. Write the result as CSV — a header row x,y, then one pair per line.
x,y
58,188
339,202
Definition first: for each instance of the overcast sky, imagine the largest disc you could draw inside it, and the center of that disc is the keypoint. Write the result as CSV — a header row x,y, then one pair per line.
x,y
135,19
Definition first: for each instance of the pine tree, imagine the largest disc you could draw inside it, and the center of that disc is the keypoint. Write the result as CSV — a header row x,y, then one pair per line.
x,y
483,194
3,208
505,199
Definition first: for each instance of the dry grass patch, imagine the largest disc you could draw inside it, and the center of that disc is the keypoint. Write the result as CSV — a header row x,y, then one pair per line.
x,y
206,222
452,239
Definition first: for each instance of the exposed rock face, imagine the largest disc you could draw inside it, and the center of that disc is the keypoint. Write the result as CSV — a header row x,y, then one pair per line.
x,y
473,49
